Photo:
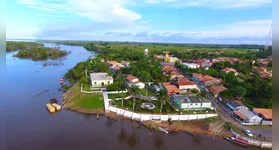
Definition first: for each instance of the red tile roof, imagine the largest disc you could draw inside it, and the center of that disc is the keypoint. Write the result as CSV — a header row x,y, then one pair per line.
x,y
171,88
131,77
183,83
217,88
267,113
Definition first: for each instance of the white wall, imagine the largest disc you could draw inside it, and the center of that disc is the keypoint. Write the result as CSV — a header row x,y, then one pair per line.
x,y
186,87
99,82
146,117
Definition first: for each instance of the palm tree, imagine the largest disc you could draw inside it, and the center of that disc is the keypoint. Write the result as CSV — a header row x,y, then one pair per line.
x,y
135,91
163,95
122,85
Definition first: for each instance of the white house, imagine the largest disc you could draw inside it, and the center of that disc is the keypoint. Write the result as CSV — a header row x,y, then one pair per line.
x,y
191,65
247,117
132,80
185,86
100,79
192,102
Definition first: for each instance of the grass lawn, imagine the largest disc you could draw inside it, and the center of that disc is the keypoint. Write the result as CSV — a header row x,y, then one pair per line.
x,y
90,101
149,92
118,95
74,98
129,104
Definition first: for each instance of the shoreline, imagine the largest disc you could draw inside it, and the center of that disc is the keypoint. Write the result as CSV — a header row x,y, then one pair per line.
x,y
194,126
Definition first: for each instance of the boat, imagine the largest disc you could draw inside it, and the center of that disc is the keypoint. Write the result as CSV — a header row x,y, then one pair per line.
x,y
50,108
232,139
56,106
240,140
61,81
163,130
189,133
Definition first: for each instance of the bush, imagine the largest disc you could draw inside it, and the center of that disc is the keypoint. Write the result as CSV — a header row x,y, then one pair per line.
x,y
227,126
65,87
195,91
113,87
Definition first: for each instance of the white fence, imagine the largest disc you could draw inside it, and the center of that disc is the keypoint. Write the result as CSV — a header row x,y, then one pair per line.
x,y
267,123
147,117
252,141
116,92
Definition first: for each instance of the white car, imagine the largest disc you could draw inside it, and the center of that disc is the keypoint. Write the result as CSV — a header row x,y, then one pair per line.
x,y
248,132
153,98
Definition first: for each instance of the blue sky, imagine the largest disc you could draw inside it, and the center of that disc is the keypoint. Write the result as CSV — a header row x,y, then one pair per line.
x,y
183,21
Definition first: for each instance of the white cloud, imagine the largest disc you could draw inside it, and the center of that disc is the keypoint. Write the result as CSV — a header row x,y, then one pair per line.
x,y
47,15
211,3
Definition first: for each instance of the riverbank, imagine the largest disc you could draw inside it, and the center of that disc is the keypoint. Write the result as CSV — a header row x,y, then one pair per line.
x,y
77,101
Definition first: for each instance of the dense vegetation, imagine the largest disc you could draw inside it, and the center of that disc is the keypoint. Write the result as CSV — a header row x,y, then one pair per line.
x,y
183,51
14,45
41,53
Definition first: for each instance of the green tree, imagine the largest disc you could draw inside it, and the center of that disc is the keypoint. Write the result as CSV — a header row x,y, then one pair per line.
x,y
202,95
163,95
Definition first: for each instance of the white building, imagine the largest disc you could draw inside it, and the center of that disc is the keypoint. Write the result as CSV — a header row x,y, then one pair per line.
x,y
192,102
191,65
100,79
132,80
185,86
247,117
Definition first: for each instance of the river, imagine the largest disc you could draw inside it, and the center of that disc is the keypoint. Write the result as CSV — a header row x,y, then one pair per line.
x,y
29,86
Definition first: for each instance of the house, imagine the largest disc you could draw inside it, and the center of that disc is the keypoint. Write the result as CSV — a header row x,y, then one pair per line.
x,y
100,79
191,102
233,105
132,80
175,74
246,117
265,114
263,72
215,90
172,89
113,63
185,86
205,80
227,70
171,59
115,68
125,63
191,65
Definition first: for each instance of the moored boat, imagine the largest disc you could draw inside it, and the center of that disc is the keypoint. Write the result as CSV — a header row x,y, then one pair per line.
x,y
56,106
61,81
50,108
189,133
232,139
163,130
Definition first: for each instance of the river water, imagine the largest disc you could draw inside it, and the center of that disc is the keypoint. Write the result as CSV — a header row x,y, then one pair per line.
x,y
29,86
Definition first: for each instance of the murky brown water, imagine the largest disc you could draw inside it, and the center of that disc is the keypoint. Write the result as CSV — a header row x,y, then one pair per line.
x,y
29,126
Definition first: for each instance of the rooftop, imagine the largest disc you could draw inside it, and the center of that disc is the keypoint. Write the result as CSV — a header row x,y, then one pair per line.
x,y
217,88
267,113
234,103
112,62
131,77
100,76
171,88
191,99
229,69
182,83
244,113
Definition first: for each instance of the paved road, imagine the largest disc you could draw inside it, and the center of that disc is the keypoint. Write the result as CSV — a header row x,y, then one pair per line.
x,y
225,114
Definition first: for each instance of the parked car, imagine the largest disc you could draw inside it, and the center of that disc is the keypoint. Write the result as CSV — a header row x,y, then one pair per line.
x,y
248,132
153,98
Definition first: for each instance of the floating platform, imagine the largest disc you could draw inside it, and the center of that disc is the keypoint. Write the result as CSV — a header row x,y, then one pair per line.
x,y
56,106
50,108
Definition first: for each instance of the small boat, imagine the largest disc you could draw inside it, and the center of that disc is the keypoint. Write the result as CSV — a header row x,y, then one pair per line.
x,y
56,106
189,133
232,139
164,130
61,81
240,140
50,108
140,123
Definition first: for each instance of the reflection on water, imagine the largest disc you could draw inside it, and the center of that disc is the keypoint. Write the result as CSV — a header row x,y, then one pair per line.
x,y
30,85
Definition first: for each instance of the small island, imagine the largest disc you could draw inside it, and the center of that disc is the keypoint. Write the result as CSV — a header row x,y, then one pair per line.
x,y
41,53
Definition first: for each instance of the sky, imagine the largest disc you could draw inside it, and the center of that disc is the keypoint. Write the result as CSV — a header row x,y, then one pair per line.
x,y
172,21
